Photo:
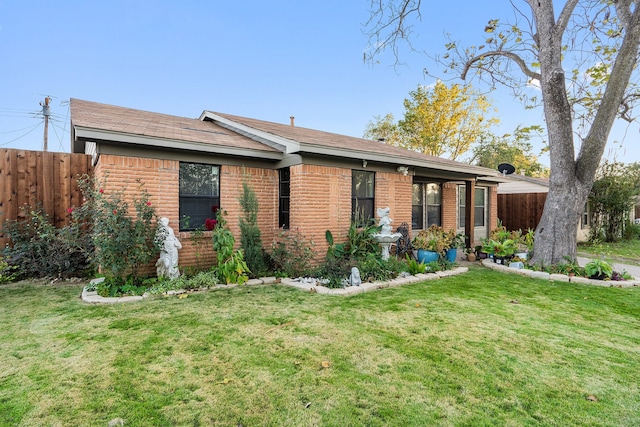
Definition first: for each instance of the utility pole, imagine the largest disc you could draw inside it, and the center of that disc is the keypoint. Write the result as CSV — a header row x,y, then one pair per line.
x,y
46,112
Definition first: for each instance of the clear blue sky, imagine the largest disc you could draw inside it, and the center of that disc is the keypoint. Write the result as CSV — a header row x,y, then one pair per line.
x,y
262,59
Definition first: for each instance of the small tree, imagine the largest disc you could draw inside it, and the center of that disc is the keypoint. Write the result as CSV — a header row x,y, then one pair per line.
x,y
250,237
440,120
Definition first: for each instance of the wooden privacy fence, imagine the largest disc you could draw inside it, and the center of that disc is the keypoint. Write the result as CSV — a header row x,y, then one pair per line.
x,y
40,178
521,211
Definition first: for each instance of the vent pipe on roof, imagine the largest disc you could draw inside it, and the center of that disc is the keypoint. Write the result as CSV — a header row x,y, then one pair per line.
x,y
293,119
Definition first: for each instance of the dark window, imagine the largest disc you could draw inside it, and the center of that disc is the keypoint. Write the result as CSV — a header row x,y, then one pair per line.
x,y
362,196
426,205
199,194
479,208
284,178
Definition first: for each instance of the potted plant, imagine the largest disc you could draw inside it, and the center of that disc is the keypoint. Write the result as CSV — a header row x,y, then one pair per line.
x,y
457,241
432,243
501,251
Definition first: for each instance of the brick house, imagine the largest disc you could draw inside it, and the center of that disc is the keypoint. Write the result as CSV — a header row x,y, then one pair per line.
x,y
305,179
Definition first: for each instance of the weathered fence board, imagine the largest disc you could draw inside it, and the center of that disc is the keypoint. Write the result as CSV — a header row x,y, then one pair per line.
x,y
40,178
521,211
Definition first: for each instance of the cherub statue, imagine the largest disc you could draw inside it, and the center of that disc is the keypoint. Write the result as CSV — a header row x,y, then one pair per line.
x,y
167,264
385,221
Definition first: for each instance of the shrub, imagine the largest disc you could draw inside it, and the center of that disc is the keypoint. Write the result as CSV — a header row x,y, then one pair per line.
x,y
414,267
124,243
250,237
598,269
39,249
632,231
373,268
7,272
231,267
292,254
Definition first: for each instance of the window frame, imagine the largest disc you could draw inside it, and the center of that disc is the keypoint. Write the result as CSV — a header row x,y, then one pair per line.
x,y
462,205
211,200
370,200
425,220
284,198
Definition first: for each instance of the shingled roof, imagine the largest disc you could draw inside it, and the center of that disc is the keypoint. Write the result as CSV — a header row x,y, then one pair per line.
x,y
230,134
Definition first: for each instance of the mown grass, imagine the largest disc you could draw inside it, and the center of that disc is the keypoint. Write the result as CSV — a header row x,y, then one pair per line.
x,y
624,251
477,349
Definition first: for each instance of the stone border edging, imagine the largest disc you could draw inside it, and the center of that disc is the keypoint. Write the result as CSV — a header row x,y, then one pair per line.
x,y
559,277
92,297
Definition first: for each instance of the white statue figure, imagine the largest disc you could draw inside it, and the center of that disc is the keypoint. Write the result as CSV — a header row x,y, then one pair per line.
x,y
355,279
167,264
385,237
385,221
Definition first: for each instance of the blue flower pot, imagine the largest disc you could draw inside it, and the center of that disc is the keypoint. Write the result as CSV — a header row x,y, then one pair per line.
x,y
426,257
451,254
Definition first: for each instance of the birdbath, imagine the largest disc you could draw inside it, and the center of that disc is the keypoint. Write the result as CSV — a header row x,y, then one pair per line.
x,y
385,238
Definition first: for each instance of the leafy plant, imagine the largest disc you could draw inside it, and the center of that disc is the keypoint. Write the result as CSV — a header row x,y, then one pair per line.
x,y
373,268
250,238
414,267
231,267
124,242
598,269
504,248
292,254
39,249
8,272
434,238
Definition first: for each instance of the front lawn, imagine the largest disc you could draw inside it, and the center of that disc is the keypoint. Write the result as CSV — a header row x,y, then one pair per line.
x,y
623,251
481,348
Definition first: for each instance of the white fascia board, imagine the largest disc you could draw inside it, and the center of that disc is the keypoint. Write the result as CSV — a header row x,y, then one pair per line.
x,y
399,160
285,145
101,135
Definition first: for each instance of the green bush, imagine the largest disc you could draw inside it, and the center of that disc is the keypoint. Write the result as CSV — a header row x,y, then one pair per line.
x,y
7,272
250,238
39,249
631,231
374,269
292,254
598,269
231,267
124,243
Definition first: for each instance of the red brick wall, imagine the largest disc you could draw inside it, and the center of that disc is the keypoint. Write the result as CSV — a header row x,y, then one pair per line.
x,y
161,180
393,190
449,206
493,207
265,184
320,201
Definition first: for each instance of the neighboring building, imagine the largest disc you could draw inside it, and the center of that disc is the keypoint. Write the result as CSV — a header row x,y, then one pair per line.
x,y
305,179
521,203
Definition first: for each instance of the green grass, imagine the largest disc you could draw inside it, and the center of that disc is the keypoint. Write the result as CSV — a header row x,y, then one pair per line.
x,y
456,351
624,251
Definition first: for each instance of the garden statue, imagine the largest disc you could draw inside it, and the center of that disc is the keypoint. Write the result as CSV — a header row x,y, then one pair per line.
x,y
167,264
355,279
385,238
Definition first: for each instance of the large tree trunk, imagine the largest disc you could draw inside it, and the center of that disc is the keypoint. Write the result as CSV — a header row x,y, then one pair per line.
x,y
572,177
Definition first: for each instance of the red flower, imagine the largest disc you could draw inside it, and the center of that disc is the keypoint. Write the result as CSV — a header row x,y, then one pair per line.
x,y
210,224
148,203
115,211
70,210
214,208
101,191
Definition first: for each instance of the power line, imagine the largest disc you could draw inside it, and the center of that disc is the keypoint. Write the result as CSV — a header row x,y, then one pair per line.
x,y
21,136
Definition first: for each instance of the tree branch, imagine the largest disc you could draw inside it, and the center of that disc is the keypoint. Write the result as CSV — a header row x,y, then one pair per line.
x,y
509,55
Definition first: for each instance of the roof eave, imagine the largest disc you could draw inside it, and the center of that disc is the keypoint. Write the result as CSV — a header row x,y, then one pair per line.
x,y
82,134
